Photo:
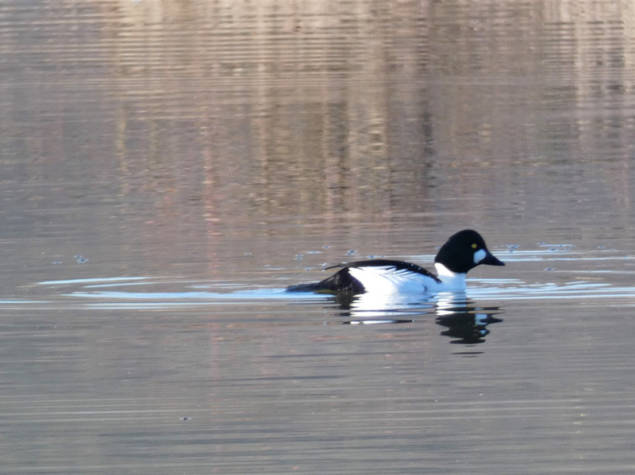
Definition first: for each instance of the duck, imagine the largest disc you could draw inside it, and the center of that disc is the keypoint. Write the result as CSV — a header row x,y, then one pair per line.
x,y
462,252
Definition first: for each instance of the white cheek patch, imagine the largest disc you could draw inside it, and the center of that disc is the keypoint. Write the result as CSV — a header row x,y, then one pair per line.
x,y
479,255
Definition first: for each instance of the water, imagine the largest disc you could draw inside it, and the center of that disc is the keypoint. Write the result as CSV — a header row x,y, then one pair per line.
x,y
169,168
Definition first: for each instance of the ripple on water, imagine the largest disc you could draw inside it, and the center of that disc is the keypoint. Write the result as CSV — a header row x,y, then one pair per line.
x,y
597,274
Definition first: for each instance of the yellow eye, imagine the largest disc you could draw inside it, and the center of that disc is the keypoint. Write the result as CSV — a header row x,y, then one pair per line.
x,y
474,246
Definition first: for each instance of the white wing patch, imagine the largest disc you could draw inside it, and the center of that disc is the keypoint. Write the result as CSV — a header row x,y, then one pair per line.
x,y
388,280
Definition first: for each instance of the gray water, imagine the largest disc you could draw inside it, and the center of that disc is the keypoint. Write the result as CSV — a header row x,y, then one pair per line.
x,y
168,168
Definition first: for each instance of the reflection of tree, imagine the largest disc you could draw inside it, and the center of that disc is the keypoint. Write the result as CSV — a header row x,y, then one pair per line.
x,y
218,121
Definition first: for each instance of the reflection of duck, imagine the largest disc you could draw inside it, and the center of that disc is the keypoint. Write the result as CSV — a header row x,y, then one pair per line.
x,y
464,319
461,252
373,308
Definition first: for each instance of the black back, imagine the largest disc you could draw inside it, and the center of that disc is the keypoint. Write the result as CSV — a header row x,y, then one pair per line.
x,y
397,265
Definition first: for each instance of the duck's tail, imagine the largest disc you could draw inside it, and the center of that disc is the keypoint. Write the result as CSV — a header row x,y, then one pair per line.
x,y
310,287
340,282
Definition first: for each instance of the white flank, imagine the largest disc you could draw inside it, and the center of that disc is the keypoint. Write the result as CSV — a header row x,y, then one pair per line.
x,y
388,280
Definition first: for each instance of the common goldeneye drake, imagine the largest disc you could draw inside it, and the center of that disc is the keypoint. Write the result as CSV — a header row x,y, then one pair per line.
x,y
460,253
